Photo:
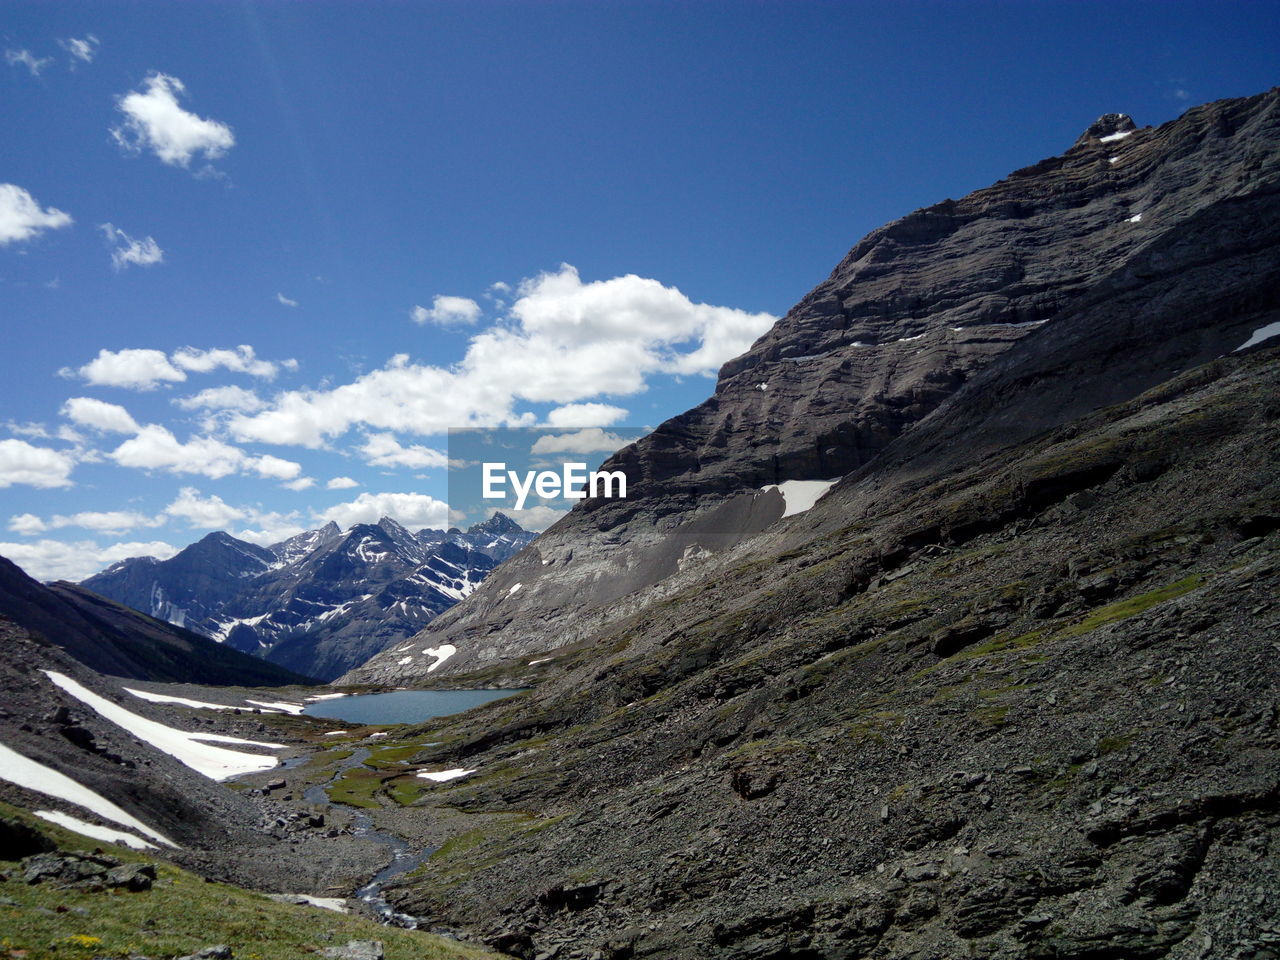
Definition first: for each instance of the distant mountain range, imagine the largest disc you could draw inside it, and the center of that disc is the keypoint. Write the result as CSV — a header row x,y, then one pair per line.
x,y
318,603
115,640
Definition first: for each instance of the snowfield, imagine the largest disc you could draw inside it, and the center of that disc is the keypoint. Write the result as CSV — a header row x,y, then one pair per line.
x,y
800,495
29,774
216,763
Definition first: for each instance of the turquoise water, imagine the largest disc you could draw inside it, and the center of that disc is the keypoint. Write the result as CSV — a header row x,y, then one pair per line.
x,y
403,706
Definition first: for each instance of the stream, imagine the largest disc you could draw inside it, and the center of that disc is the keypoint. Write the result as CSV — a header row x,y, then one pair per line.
x,y
404,857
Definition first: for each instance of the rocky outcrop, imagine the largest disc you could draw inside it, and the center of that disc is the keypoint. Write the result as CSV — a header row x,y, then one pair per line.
x,y
1073,283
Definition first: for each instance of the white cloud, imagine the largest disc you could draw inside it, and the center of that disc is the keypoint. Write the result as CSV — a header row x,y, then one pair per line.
x,y
27,524
536,519
144,369
285,300
83,49
302,483
27,59
100,415
126,251
563,342
242,359
20,462
155,121
222,398
132,369
109,521
384,450
587,440
59,560
447,311
585,415
341,483
155,448
209,513
410,509
274,467
22,218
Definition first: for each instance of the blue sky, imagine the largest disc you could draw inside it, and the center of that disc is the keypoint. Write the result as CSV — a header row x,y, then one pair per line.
x,y
255,259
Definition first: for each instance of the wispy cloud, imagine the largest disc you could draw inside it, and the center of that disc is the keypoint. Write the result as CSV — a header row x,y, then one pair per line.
x,y
82,49
27,59
285,300
126,251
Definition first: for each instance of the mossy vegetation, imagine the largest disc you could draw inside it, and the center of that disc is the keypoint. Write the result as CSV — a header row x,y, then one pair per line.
x,y
1133,606
181,914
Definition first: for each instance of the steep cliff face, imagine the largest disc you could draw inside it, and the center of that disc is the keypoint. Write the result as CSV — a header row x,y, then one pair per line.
x,y
1073,283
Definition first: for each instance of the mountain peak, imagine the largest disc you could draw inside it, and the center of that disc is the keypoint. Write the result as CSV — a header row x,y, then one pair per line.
x,y
1108,127
497,525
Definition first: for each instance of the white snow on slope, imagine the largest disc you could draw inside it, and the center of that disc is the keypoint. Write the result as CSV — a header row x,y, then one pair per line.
x,y
441,653
1113,137
1259,335
326,696
216,763
181,701
294,708
86,829
800,495
440,776
1136,218
514,589
25,772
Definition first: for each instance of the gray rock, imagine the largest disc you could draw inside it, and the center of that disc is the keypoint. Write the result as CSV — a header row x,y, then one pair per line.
x,y
355,950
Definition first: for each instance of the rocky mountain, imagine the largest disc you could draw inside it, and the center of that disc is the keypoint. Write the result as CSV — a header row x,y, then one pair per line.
x,y
945,628
1091,276
320,602
115,640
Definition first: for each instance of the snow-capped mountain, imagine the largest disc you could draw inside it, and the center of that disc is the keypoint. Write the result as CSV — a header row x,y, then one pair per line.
x,y
320,602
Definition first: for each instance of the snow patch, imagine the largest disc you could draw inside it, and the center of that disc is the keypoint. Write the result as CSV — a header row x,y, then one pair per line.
x,y
514,589
31,775
441,653
1112,159
1136,218
1259,335
326,696
800,495
335,733
440,776
181,701
293,708
216,763
403,660
919,336
86,829
534,663
1113,137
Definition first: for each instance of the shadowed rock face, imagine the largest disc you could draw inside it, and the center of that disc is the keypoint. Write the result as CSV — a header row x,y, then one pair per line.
x,y
1079,281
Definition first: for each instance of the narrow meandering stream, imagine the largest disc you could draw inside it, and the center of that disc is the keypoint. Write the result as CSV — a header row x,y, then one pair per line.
x,y
404,857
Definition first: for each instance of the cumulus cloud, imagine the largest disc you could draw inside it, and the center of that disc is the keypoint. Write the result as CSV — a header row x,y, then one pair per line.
x,y
99,415
280,297
22,218
384,450
274,467
341,483
447,312
27,59
222,398
27,524
21,462
242,359
585,415
302,483
132,369
61,560
207,513
145,369
410,509
105,521
563,342
127,252
155,121
588,440
156,448
82,49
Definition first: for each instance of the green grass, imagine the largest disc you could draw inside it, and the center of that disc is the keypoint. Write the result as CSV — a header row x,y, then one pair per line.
x,y
356,787
180,915
1124,609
